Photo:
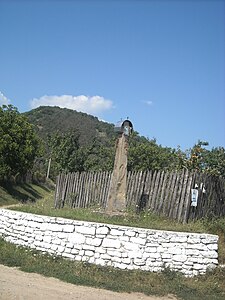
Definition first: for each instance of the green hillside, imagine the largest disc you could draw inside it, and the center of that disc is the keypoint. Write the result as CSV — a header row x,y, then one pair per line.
x,y
48,120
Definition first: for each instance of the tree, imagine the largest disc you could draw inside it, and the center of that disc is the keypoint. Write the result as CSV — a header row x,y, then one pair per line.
x,y
67,155
100,157
19,144
147,155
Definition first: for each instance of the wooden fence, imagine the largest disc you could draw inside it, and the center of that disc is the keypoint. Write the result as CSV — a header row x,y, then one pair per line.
x,y
167,193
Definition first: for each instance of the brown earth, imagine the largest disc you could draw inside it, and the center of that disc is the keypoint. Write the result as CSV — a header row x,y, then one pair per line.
x,y
18,285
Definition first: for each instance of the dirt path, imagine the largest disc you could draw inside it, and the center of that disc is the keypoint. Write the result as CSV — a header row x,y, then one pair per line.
x,y
18,285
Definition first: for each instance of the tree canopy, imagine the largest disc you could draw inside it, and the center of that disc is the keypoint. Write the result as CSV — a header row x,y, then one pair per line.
x,y
19,144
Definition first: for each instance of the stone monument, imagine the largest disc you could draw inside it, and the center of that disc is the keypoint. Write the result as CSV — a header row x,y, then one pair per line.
x,y
116,202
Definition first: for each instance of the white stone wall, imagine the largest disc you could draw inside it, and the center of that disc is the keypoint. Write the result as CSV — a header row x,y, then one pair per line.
x,y
112,245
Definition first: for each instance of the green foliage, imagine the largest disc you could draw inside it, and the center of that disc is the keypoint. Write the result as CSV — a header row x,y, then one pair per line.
x,y
92,146
147,155
202,160
19,144
49,120
66,152
99,157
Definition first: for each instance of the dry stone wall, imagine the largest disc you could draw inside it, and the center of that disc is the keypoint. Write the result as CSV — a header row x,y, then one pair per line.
x,y
112,245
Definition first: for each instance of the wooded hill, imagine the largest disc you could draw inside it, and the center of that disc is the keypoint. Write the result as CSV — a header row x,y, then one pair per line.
x,y
48,120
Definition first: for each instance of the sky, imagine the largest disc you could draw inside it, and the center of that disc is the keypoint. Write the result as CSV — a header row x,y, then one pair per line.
x,y
159,63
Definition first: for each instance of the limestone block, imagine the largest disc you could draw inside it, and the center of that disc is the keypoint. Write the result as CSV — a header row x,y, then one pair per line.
x,y
85,230
116,232
142,235
111,243
46,245
120,266
175,251
194,252
178,239
114,253
60,249
210,254
151,249
155,255
197,266
54,247
135,254
212,246
166,256
94,241
139,262
55,227
210,239
126,261
100,261
89,253
68,255
39,237
76,238
88,247
44,226
105,256
130,246
138,240
56,241
179,258
74,251
193,240
68,228
47,238
116,259
130,233
103,230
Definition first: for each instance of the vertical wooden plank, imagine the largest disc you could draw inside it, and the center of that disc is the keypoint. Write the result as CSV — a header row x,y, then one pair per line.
x,y
57,191
147,186
162,197
80,190
155,191
151,190
177,200
173,193
166,205
187,200
180,210
131,192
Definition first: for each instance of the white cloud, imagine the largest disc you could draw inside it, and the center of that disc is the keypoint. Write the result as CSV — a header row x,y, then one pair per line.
x,y
91,105
148,102
3,99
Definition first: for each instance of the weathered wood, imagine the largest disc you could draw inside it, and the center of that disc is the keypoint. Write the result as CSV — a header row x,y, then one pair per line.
x,y
162,192
162,197
182,196
187,203
173,193
154,199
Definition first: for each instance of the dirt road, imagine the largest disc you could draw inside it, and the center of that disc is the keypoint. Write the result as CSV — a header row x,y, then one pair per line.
x,y
18,285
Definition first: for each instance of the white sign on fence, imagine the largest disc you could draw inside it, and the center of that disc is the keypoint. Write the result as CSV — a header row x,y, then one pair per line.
x,y
194,197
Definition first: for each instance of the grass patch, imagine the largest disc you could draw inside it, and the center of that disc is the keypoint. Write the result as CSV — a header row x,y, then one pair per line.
x,y
22,193
210,286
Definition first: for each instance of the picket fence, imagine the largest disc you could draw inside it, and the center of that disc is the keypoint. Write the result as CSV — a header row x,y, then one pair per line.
x,y
167,193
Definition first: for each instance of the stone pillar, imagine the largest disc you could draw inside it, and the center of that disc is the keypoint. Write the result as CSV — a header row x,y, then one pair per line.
x,y
116,202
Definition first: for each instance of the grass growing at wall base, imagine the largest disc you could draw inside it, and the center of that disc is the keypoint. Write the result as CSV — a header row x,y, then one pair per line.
x,y
208,287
